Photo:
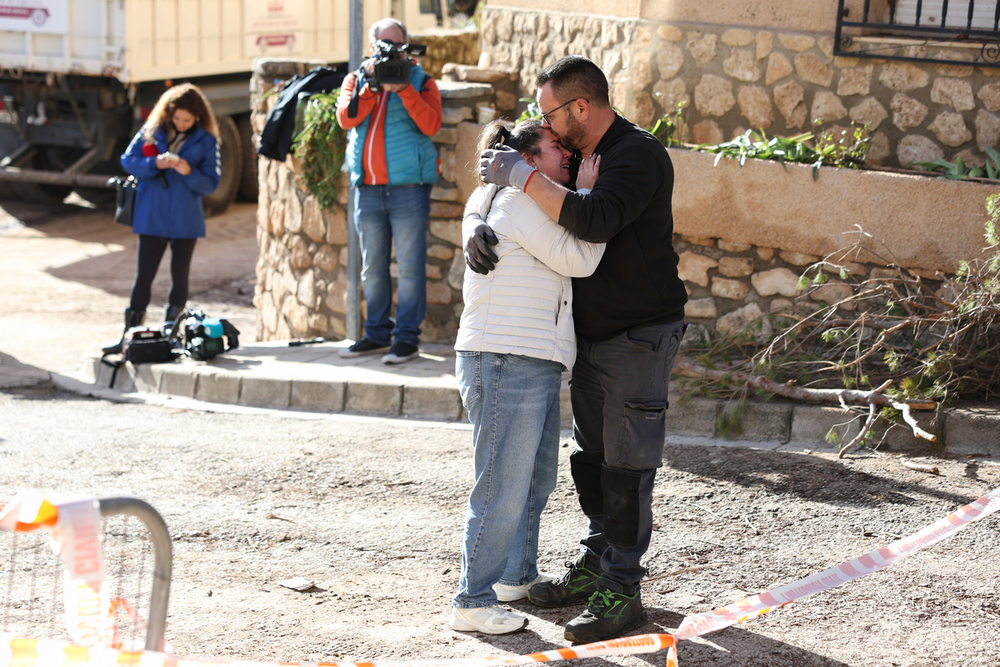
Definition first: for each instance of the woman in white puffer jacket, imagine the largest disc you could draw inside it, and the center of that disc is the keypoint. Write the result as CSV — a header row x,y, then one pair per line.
x,y
514,340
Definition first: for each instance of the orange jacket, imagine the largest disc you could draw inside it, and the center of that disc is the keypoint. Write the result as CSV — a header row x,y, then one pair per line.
x,y
424,108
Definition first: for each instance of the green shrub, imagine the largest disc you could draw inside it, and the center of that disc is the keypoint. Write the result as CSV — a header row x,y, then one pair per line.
x,y
321,144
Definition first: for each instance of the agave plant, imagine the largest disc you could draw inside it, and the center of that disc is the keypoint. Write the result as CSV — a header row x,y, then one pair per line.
x,y
828,149
959,171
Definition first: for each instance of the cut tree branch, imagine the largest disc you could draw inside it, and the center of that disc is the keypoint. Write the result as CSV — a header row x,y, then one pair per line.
x,y
689,368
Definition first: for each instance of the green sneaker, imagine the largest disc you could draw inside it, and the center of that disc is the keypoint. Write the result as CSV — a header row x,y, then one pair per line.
x,y
610,613
575,587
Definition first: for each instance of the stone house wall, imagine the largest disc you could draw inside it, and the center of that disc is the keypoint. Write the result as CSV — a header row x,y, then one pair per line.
x,y
777,79
302,267
737,263
447,45
731,285
745,234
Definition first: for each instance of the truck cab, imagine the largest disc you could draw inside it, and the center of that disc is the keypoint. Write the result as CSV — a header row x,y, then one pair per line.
x,y
78,78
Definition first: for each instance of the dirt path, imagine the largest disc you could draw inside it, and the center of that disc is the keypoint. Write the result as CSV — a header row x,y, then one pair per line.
x,y
372,512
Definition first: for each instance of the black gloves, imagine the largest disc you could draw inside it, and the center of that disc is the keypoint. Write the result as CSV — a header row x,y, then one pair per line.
x,y
479,256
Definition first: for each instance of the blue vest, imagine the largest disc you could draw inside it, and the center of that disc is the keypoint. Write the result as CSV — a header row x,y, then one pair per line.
x,y
410,155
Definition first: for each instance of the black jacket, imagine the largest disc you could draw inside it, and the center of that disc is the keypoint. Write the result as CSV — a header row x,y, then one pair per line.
x,y
636,283
276,137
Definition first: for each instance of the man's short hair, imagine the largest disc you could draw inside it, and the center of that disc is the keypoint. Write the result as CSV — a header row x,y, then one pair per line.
x,y
379,26
576,76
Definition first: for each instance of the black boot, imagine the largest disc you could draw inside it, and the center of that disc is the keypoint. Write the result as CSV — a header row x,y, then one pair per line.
x,y
611,612
575,587
172,312
171,317
133,318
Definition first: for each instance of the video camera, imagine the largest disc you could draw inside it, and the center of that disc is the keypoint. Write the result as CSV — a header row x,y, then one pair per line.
x,y
203,338
393,65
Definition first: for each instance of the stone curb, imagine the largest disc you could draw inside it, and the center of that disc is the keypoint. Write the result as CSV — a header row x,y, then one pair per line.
x,y
318,381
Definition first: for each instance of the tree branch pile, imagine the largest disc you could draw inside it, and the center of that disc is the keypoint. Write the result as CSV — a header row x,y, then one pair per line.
x,y
898,341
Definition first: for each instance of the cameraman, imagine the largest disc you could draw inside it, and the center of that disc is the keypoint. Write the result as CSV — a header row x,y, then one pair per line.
x,y
393,165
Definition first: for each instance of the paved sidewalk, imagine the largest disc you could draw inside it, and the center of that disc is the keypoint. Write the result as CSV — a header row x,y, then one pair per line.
x,y
310,377
315,378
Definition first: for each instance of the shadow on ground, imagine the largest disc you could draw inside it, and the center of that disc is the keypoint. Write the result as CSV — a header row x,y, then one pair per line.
x,y
807,477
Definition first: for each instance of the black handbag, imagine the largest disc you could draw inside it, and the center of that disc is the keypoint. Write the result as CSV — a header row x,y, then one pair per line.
x,y
124,198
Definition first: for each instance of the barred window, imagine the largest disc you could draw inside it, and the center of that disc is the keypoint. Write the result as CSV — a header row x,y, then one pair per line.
x,y
966,30
942,13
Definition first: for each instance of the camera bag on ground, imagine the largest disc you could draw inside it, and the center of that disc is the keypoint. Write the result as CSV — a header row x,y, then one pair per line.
x,y
202,337
141,345
146,346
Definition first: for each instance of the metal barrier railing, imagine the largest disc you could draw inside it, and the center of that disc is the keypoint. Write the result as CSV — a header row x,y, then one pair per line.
x,y
31,576
159,596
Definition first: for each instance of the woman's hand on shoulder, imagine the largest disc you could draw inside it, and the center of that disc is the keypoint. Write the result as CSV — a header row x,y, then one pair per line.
x,y
586,177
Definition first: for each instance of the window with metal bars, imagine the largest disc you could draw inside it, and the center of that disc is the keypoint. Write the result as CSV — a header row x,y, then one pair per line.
x,y
961,30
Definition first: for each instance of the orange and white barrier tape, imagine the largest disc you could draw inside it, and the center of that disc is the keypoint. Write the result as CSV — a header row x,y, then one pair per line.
x,y
24,652
76,536
873,561
28,511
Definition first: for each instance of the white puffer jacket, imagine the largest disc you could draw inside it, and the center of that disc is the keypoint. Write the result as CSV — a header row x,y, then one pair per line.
x,y
525,305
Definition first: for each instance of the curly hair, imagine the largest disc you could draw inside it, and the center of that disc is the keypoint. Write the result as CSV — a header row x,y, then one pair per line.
x,y
185,96
524,137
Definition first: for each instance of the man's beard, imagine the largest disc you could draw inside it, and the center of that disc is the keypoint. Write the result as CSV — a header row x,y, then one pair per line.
x,y
575,137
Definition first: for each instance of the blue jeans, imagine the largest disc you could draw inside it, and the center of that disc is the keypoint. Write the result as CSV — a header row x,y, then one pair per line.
x,y
385,214
619,396
513,404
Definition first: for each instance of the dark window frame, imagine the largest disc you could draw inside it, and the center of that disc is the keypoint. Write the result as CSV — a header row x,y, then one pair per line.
x,y
867,27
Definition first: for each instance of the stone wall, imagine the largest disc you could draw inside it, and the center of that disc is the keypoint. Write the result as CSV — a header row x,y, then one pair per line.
x,y
447,45
744,234
778,80
302,268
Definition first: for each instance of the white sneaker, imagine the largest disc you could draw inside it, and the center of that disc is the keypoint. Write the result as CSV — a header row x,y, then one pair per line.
x,y
493,620
507,593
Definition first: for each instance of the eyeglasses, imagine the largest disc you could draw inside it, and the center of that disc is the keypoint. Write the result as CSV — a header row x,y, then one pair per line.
x,y
545,116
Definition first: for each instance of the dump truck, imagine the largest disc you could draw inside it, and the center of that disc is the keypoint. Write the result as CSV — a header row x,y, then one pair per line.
x,y
79,77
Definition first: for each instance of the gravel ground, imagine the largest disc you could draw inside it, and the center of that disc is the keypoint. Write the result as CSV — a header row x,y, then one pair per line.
x,y
371,511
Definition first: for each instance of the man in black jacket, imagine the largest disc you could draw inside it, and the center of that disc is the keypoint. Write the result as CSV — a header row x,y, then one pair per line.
x,y
629,322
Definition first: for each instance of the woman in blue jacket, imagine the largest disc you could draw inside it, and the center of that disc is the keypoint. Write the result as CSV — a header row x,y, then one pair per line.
x,y
175,157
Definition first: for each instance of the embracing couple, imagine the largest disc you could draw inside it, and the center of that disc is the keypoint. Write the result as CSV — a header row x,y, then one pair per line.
x,y
580,279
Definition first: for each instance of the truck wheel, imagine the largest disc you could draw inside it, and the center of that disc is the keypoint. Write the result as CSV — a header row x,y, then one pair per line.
x,y
248,183
232,169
